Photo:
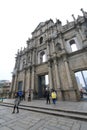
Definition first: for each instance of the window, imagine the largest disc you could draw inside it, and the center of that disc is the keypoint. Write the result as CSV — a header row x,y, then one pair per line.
x,y
20,85
81,77
73,45
46,79
42,57
41,40
24,62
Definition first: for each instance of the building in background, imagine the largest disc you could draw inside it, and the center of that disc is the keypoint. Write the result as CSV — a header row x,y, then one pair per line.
x,y
5,86
52,57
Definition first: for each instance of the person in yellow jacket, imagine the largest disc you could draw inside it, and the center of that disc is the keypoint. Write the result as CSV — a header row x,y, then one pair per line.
x,y
54,96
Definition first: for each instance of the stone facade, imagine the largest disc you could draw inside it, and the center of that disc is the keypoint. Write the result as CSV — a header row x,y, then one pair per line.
x,y
54,42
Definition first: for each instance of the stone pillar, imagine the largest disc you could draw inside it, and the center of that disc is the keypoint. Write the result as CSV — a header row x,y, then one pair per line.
x,y
50,75
82,35
33,57
28,83
15,87
32,81
53,44
12,86
24,81
78,29
71,90
29,78
30,57
68,72
48,50
23,85
58,87
62,41
56,75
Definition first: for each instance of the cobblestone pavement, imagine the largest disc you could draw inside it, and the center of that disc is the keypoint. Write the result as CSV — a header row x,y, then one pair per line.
x,y
27,120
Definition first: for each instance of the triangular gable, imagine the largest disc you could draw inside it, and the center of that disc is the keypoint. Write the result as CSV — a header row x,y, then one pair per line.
x,y
41,24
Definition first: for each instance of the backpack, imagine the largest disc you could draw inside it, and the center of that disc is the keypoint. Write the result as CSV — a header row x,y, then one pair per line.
x,y
20,93
53,95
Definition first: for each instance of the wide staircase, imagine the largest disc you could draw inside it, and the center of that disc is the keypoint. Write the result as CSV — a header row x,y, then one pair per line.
x,y
47,109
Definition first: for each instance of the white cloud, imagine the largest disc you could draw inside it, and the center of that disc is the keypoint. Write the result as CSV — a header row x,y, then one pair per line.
x,y
19,18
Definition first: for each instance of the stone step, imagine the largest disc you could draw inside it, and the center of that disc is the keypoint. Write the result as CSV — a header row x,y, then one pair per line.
x,y
57,109
56,112
54,109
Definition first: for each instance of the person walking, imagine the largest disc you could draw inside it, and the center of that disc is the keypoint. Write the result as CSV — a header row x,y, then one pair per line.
x,y
16,103
53,96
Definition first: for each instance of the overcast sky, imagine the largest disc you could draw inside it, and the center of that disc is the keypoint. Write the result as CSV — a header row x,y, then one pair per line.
x,y
19,18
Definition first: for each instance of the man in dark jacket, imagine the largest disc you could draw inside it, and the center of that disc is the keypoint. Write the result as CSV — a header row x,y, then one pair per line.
x,y
47,96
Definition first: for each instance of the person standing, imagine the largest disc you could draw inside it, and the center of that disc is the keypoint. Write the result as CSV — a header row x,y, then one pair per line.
x,y
47,95
16,103
20,94
54,96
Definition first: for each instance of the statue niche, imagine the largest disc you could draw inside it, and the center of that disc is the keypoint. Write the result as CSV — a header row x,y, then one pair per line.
x,y
28,60
58,47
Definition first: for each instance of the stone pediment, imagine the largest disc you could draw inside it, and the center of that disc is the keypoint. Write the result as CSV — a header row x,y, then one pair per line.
x,y
41,24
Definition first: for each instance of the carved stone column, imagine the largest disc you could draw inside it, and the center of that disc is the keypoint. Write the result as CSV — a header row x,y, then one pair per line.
x,y
29,78
56,75
32,81
48,50
12,86
58,87
24,81
28,83
33,57
15,87
30,57
72,91
53,45
68,72
50,75
78,29
62,41
81,34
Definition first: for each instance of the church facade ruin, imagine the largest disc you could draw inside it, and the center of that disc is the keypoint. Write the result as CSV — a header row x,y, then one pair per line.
x,y
52,57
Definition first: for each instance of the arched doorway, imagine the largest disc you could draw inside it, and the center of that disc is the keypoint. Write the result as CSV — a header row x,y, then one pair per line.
x,y
42,84
81,77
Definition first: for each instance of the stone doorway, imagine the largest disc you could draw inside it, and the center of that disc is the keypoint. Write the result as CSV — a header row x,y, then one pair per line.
x,y
42,84
81,77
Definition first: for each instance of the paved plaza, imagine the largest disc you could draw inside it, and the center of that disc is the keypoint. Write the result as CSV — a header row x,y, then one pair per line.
x,y
65,105
28,120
